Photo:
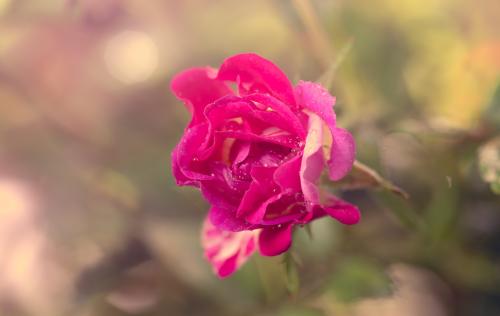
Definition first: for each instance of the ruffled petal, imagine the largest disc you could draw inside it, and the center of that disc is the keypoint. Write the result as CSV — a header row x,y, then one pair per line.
x,y
197,88
275,240
270,103
260,193
224,194
312,160
341,210
343,154
227,251
186,153
256,74
180,178
316,99
285,210
226,219
228,109
287,176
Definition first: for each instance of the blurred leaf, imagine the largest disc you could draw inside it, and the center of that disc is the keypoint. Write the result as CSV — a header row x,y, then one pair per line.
x,y
326,78
492,113
115,186
441,214
362,177
356,278
309,231
293,310
489,163
404,211
291,273
272,273
318,38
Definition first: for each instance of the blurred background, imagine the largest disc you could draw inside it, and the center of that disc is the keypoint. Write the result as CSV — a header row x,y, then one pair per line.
x,y
91,222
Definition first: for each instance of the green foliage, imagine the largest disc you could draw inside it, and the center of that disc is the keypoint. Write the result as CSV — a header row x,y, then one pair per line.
x,y
294,310
292,274
492,112
489,163
356,278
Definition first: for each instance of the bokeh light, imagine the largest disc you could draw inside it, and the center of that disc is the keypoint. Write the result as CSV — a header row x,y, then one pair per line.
x,y
131,56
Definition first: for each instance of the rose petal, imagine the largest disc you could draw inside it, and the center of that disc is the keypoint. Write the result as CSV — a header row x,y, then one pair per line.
x,y
275,240
272,104
228,109
260,193
341,210
225,219
285,140
343,154
187,161
222,191
315,98
287,176
256,74
180,178
227,251
197,88
312,161
287,209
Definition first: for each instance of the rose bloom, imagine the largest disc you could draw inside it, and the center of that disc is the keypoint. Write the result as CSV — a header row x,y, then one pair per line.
x,y
257,152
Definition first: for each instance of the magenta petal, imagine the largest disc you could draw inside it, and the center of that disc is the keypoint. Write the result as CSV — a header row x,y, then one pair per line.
x,y
228,108
256,74
269,103
285,210
258,213
262,192
227,251
315,98
180,178
312,161
226,219
287,175
343,211
197,88
342,155
275,240
284,140
221,192
241,151
187,153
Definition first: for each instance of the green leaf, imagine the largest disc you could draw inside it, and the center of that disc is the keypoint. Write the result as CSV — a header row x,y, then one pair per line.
x,y
326,78
357,278
309,231
489,163
291,273
492,112
362,177
296,310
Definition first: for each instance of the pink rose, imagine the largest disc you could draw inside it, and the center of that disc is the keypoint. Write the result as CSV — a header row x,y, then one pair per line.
x,y
257,152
